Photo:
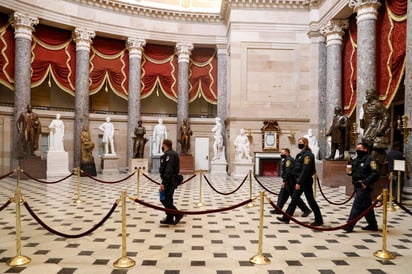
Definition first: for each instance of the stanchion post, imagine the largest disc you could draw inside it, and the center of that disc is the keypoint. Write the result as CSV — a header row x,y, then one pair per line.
x,y
251,204
391,207
384,254
259,258
18,259
398,194
200,203
124,261
78,200
138,185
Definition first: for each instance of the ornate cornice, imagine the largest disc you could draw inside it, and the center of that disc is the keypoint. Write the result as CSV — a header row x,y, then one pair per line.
x,y
290,4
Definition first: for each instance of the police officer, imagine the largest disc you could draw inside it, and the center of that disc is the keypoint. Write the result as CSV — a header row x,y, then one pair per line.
x,y
169,168
365,173
304,170
288,184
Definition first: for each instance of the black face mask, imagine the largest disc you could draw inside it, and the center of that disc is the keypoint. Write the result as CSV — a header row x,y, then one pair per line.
x,y
163,150
282,156
361,153
300,146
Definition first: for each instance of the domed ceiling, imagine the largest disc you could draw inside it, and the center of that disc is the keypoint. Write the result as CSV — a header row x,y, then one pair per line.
x,y
202,6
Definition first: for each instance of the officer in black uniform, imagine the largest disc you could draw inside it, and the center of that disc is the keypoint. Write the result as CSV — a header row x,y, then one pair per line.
x,y
364,174
288,184
169,168
304,170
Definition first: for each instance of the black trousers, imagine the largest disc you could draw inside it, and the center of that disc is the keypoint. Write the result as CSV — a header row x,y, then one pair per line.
x,y
168,202
287,192
361,202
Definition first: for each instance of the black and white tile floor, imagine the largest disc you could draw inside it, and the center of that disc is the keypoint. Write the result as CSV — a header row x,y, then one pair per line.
x,y
220,243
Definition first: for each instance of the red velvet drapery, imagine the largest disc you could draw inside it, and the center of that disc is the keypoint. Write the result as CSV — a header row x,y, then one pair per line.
x,y
390,54
6,52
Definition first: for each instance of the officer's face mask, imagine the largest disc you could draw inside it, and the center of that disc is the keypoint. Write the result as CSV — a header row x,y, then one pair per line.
x,y
300,146
282,156
163,149
361,153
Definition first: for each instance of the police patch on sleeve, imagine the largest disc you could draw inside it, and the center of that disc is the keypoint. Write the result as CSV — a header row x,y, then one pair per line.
x,y
167,158
287,164
306,160
373,165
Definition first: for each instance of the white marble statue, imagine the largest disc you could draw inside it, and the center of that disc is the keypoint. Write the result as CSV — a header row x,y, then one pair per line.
x,y
56,136
108,137
218,136
313,143
159,134
242,147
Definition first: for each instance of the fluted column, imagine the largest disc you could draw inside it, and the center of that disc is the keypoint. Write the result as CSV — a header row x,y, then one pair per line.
x,y
222,86
333,31
23,27
83,39
135,48
367,14
183,51
408,97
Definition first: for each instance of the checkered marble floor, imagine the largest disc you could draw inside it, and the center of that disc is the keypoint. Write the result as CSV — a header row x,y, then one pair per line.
x,y
220,243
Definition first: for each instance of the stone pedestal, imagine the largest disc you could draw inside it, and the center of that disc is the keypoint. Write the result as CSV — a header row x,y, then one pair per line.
x,y
186,164
218,167
334,174
155,164
138,163
241,169
57,164
110,165
34,166
89,168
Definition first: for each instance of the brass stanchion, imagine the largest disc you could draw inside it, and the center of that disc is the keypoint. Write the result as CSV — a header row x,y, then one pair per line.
x,y
18,259
391,207
78,200
398,194
315,176
124,261
251,204
200,203
138,185
259,258
384,254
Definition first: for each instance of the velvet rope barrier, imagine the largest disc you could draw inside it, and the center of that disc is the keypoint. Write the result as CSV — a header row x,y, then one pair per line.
x,y
184,181
221,193
51,230
403,207
350,223
7,175
6,204
329,201
46,182
150,179
172,211
108,182
265,188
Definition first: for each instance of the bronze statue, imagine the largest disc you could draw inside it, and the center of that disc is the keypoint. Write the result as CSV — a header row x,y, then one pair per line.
x,y
29,128
87,146
139,140
338,133
185,133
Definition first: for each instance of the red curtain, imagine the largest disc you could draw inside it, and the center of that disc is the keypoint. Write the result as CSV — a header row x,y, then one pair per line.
x,y
6,52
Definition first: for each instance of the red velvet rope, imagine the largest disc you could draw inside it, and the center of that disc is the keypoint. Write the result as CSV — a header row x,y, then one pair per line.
x,y
403,207
51,230
150,179
350,223
108,182
172,211
221,193
329,201
184,181
265,188
6,175
46,182
6,204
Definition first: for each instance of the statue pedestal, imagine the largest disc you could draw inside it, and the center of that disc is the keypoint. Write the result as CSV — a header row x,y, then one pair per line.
x,y
155,164
34,166
334,174
89,168
218,166
241,169
186,164
138,163
57,164
110,165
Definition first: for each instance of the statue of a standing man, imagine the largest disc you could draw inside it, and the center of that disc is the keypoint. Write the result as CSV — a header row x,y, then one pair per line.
x,y
29,128
139,140
338,133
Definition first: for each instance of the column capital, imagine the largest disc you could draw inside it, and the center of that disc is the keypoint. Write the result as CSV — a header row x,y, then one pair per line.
x,y
334,31
135,47
366,9
183,51
83,38
23,25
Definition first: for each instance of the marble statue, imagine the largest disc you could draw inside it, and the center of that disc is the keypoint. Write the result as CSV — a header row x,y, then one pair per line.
x,y
56,136
159,134
108,137
313,143
218,139
242,147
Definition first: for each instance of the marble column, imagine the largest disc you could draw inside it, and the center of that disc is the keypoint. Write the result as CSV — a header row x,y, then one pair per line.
x,y
83,39
222,86
367,14
135,48
23,27
333,31
183,51
408,99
